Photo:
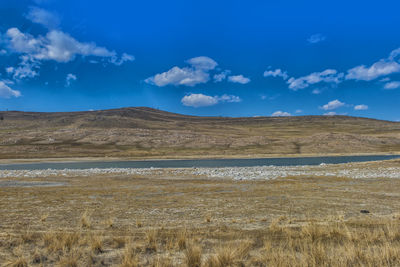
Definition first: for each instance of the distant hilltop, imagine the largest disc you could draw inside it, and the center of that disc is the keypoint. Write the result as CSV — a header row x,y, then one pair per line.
x,y
141,132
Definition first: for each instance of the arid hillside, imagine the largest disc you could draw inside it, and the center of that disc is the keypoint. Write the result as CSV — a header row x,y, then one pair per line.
x,y
144,132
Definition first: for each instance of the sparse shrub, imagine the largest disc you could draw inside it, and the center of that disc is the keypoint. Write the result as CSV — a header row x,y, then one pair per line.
x,y
85,221
129,257
44,217
68,261
119,242
162,262
96,244
19,262
193,255
109,223
181,239
27,236
151,238
38,257
233,254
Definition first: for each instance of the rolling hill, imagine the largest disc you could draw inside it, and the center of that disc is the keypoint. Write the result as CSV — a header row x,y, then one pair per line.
x,y
142,132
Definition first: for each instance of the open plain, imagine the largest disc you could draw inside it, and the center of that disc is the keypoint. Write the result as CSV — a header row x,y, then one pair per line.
x,y
327,215
323,215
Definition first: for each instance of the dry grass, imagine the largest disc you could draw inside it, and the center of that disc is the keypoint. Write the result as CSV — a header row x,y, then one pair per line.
x,y
148,133
357,242
296,221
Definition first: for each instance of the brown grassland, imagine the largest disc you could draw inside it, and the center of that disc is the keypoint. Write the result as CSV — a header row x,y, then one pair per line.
x,y
123,220
149,133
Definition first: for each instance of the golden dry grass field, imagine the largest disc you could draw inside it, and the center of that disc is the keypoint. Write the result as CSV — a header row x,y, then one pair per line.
x,y
165,219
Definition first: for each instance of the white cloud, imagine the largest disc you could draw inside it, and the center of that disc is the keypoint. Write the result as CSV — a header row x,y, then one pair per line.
x,y
392,85
238,79
7,92
201,100
331,113
23,43
276,73
179,76
316,38
327,76
334,104
298,111
58,46
361,107
280,114
202,63
198,100
219,77
2,52
41,16
70,77
378,69
61,47
197,73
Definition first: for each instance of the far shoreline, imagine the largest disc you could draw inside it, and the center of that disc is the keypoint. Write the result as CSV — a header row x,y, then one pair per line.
x,y
206,157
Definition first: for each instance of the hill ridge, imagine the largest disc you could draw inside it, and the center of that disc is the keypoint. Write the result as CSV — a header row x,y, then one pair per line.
x,y
143,132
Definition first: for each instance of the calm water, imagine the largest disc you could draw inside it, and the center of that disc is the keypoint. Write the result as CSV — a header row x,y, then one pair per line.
x,y
196,163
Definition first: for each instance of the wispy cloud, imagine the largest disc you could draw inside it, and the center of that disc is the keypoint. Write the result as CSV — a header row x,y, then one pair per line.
x,y
276,73
7,92
392,85
360,107
27,68
316,38
327,76
44,17
378,69
219,77
69,79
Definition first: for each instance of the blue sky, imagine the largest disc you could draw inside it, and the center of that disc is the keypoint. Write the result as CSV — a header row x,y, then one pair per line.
x,y
219,58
